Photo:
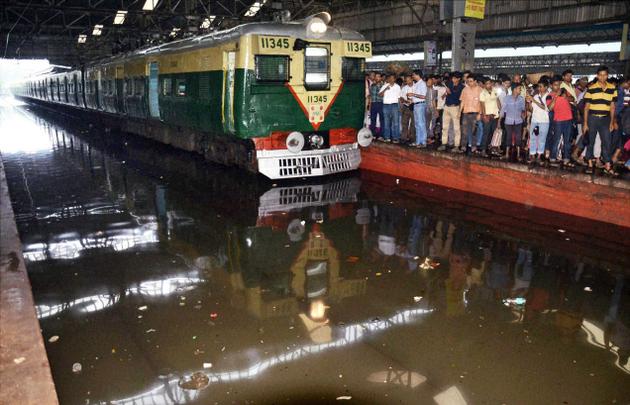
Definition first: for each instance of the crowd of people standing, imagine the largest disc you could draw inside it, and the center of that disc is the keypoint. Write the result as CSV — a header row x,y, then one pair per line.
x,y
550,120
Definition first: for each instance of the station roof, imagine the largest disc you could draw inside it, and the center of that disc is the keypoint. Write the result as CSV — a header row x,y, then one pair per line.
x,y
71,32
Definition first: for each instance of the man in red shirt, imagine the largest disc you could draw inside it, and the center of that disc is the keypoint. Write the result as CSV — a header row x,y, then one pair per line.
x,y
559,103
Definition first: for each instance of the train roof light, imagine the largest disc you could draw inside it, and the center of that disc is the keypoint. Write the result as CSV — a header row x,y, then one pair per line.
x,y
98,29
82,38
150,5
255,8
119,19
205,24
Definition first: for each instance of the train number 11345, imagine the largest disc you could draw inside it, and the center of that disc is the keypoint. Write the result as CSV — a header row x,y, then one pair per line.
x,y
274,43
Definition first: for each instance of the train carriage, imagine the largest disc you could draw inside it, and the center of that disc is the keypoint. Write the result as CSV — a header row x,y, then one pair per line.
x,y
289,96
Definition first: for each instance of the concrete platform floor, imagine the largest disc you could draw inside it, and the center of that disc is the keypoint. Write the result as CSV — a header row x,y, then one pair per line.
x,y
25,377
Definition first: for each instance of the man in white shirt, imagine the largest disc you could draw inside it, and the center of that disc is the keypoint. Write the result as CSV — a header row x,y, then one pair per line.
x,y
391,95
418,96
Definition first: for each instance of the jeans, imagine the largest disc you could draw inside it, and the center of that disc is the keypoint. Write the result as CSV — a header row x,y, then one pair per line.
x,y
601,126
420,116
451,115
480,125
469,123
376,110
561,129
537,142
488,130
391,129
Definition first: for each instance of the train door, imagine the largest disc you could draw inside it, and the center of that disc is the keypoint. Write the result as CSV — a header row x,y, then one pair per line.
x,y
154,100
100,98
229,67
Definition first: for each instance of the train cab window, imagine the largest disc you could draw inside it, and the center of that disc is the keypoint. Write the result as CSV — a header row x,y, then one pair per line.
x,y
316,68
353,69
271,68
167,87
180,88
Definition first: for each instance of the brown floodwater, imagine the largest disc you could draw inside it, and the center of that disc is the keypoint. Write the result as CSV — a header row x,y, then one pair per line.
x,y
162,279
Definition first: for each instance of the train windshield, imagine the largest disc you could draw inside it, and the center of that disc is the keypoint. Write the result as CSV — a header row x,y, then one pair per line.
x,y
316,68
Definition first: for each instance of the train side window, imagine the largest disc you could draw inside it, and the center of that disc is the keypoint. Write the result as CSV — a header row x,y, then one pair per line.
x,y
129,86
272,68
167,87
139,86
180,86
353,69
316,68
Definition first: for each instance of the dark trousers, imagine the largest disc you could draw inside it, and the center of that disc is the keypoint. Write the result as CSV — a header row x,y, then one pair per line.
x,y
469,128
376,110
601,126
561,130
488,130
408,129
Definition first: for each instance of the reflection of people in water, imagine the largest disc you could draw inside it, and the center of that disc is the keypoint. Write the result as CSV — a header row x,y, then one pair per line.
x,y
499,273
616,332
441,240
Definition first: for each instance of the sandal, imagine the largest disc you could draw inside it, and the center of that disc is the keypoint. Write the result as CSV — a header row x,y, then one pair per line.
x,y
611,173
569,164
589,170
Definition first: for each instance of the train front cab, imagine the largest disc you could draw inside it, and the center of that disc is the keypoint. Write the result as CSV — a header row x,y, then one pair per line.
x,y
304,103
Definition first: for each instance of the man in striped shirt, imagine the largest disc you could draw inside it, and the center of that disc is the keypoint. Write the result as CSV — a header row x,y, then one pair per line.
x,y
599,118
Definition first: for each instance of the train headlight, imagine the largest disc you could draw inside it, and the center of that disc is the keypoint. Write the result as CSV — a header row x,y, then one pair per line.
x,y
316,141
364,137
317,26
295,142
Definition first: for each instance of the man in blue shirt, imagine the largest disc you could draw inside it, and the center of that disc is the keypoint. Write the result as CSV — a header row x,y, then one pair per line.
x,y
452,112
418,98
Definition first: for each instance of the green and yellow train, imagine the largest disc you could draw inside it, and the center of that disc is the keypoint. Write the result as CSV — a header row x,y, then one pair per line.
x,y
285,99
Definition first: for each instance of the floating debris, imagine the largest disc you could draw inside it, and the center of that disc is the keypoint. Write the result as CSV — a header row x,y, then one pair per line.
x,y
142,308
53,339
76,368
214,315
417,298
19,360
344,398
150,330
207,365
197,381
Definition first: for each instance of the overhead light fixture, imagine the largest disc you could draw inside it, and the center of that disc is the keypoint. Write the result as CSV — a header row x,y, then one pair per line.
x,y
98,29
150,5
207,21
174,31
255,8
82,38
119,19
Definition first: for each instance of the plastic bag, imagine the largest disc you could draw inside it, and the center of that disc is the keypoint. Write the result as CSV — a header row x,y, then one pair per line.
x,y
497,136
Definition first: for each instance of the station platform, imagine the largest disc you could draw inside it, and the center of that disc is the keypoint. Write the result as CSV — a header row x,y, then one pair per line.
x,y
572,193
22,354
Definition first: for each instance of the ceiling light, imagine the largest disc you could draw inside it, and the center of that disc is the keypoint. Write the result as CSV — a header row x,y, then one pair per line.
x,y
120,17
98,29
254,8
207,21
149,5
82,38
